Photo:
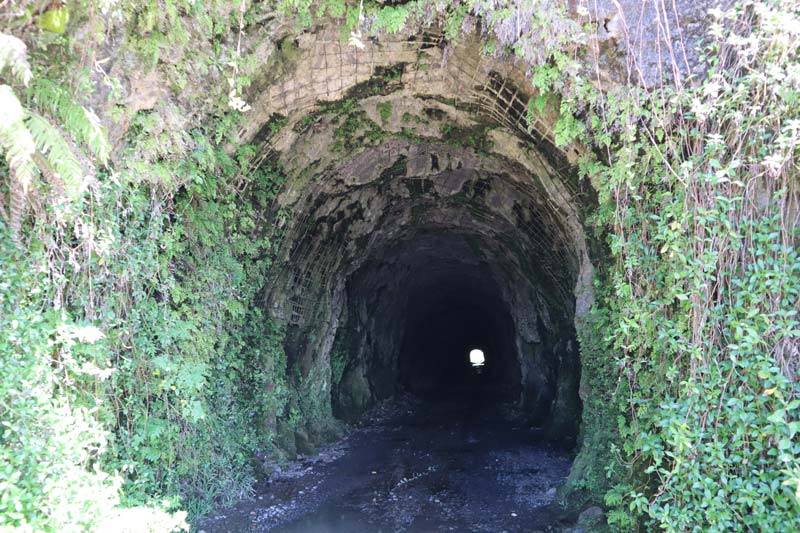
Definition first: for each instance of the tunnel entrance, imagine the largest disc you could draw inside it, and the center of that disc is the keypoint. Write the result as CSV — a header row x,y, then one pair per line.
x,y
401,267
423,216
436,432
477,358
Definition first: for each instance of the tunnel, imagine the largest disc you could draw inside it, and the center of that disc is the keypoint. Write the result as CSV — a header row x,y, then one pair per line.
x,y
449,303
454,308
423,216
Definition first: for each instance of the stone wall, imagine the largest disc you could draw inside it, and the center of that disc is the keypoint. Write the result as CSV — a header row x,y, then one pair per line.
x,y
387,146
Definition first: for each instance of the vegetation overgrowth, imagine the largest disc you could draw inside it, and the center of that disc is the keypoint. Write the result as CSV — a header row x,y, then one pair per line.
x,y
138,370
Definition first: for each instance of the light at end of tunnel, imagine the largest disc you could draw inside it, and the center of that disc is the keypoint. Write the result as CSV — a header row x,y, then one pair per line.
x,y
476,358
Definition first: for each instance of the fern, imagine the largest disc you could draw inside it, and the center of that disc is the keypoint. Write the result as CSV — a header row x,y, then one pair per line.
x,y
19,147
80,123
59,156
391,19
32,143
13,55
15,139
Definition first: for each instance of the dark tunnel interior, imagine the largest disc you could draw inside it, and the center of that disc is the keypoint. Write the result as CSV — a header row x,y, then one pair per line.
x,y
448,316
418,306
408,256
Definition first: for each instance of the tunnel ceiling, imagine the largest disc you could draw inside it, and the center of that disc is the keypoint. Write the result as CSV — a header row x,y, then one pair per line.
x,y
411,169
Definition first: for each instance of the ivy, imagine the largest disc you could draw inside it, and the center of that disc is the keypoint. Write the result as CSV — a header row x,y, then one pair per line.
x,y
702,301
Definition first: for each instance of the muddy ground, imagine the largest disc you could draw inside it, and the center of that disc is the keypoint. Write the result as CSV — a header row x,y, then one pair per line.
x,y
460,464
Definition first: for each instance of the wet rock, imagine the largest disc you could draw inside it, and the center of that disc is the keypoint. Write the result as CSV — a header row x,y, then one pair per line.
x,y
352,394
303,442
285,439
591,517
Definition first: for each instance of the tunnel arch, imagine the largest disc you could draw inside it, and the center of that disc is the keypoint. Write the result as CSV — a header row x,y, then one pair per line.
x,y
409,160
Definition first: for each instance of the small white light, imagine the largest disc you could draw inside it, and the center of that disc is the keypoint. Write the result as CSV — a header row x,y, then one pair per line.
x,y
476,358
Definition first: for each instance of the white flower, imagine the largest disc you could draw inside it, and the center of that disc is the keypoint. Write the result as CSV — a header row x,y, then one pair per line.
x,y
89,334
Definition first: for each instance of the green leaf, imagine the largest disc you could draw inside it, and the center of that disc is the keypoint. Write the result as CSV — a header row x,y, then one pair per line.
x,y
15,138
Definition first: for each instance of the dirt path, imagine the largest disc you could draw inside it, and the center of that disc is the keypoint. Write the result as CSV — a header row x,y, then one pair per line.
x,y
414,466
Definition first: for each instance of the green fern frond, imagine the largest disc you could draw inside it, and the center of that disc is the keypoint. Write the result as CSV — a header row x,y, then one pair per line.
x,y
13,55
94,136
15,138
58,155
79,122
19,147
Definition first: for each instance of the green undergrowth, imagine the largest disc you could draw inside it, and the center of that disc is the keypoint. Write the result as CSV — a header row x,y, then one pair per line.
x,y
140,374
51,443
690,351
201,371
162,342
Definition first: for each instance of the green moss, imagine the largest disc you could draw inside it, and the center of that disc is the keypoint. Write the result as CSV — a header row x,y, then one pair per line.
x,y
289,51
304,123
356,128
385,111
276,123
349,390
272,127
410,134
392,73
475,137
417,213
54,20
384,81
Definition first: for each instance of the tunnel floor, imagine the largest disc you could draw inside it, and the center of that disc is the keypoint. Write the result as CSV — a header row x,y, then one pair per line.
x,y
466,461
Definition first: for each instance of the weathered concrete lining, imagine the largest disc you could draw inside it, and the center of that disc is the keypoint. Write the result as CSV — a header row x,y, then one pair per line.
x,y
452,160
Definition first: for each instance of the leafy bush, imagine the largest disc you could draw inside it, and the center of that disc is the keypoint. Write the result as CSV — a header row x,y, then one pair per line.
x,y
50,443
136,345
703,298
